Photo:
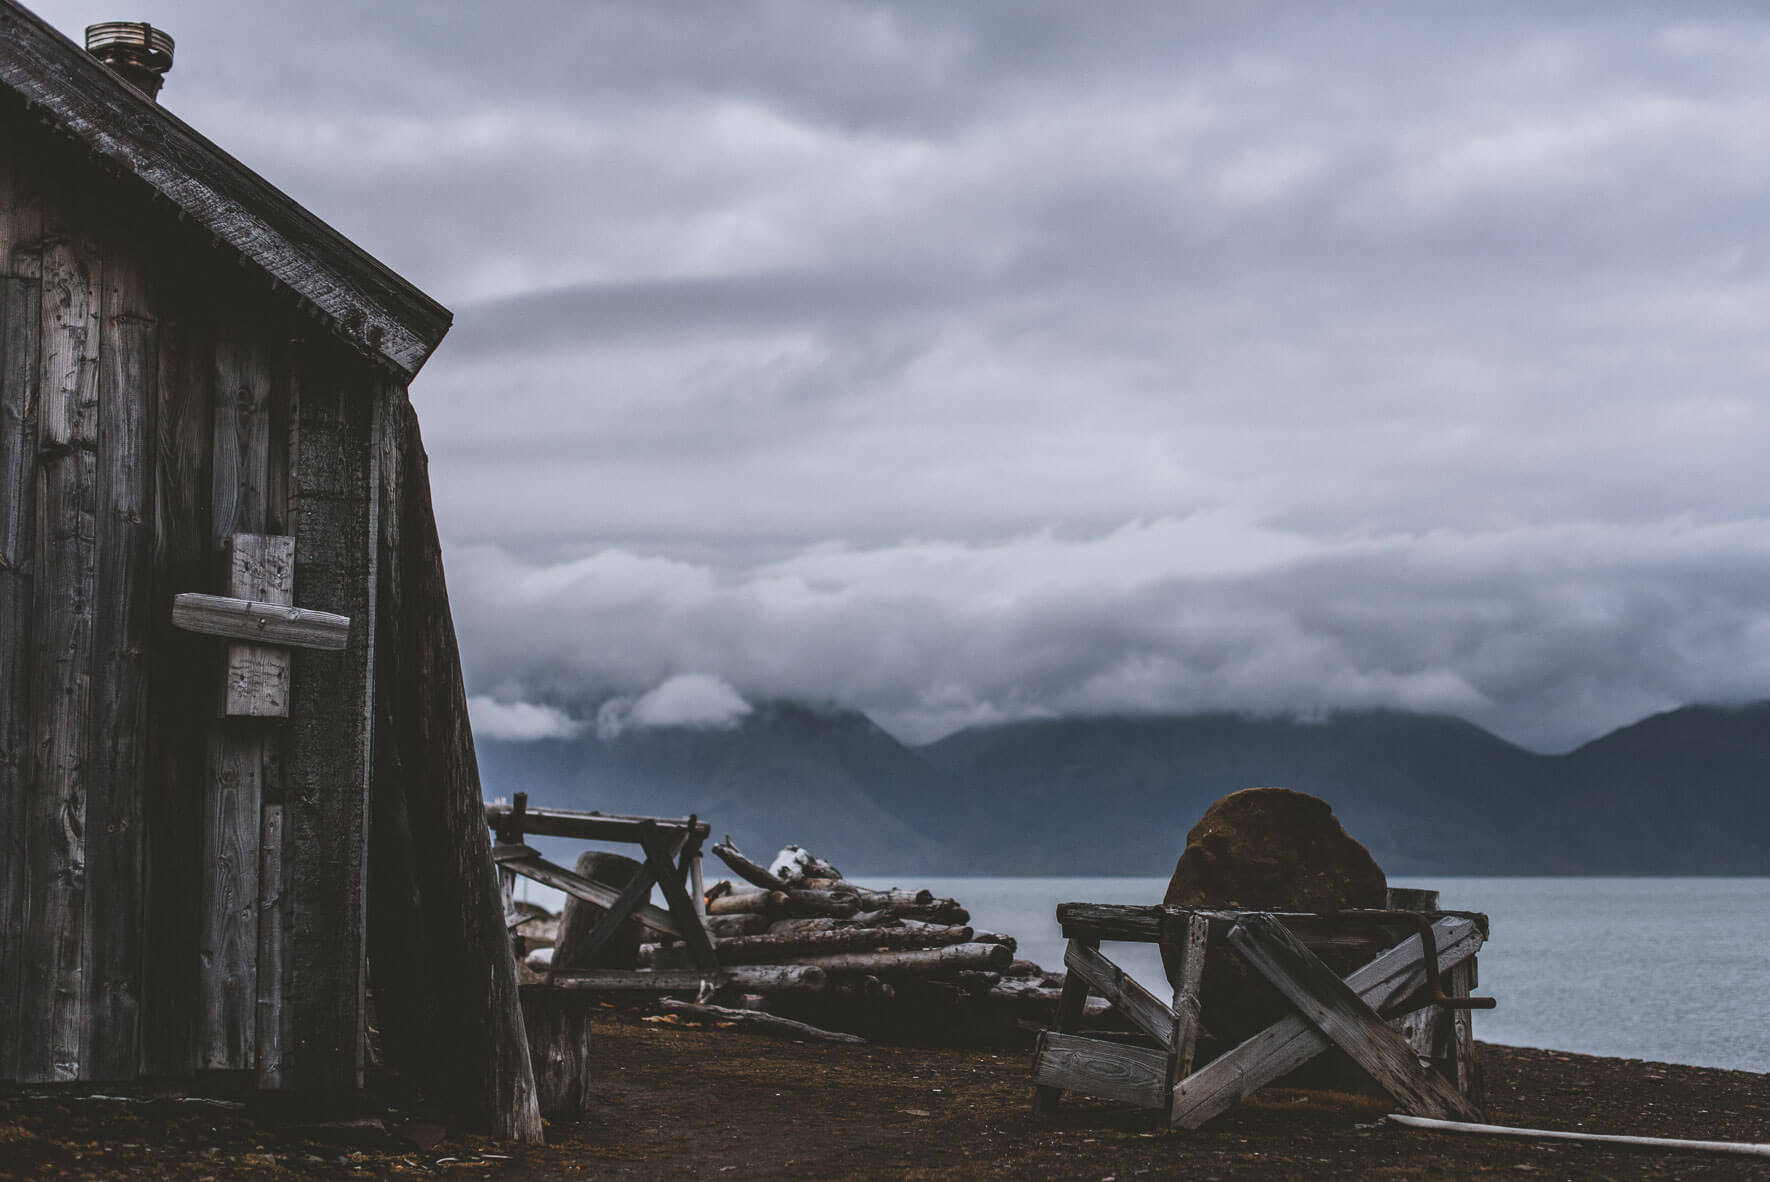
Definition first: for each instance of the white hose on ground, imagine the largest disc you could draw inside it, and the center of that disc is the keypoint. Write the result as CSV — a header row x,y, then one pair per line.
x,y
1743,1148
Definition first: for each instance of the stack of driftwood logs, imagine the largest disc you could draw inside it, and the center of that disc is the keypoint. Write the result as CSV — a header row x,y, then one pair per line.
x,y
798,941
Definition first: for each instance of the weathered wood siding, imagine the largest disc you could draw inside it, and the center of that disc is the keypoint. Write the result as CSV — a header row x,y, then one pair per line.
x,y
179,890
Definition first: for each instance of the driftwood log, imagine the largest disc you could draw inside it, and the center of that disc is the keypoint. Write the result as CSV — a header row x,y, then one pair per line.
x,y
751,872
759,1020
922,962
749,903
581,917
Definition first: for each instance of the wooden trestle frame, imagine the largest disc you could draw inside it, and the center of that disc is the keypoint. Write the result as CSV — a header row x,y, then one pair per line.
x,y
672,862
1328,1011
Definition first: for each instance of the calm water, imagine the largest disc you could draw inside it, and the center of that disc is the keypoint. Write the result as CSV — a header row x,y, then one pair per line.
x,y
1671,969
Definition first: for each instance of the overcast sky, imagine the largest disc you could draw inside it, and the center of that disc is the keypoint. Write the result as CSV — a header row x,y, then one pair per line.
x,y
963,361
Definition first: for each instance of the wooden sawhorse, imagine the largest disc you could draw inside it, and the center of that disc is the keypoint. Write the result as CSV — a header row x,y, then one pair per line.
x,y
1328,1011
672,848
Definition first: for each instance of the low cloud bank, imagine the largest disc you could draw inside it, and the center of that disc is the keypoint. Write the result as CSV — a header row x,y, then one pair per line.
x,y
1548,635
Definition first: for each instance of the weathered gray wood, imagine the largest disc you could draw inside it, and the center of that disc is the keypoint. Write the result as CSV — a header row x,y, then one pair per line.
x,y
764,949
1111,921
445,973
372,309
269,1031
752,978
1095,1067
181,708
580,919
758,1020
589,826
532,865
1331,1006
1453,1049
20,330
749,903
914,962
1188,984
115,866
751,872
558,1026
1072,1003
1292,1041
660,854
269,622
261,572
1412,899
229,982
1139,1005
63,606
21,208
327,744
727,927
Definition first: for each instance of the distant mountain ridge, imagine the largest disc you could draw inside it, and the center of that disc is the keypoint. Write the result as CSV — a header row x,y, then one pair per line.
x,y
1685,792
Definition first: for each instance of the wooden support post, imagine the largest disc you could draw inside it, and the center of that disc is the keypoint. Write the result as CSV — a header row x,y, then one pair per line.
x,y
1070,1006
269,1033
1332,1007
1183,1042
659,852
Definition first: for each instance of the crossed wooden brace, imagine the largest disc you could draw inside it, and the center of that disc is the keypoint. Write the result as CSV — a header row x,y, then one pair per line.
x,y
1328,1012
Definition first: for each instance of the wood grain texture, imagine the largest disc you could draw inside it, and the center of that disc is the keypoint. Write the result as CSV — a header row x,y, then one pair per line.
x,y
1072,1003
20,329
376,312
21,207
1095,1067
1291,1041
115,855
182,706
266,620
1334,1008
327,753
559,1032
268,1018
1188,985
588,826
261,571
63,594
1144,1010
229,979
532,865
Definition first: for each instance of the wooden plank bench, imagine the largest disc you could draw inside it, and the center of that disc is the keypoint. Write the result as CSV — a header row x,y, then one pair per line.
x,y
1423,1064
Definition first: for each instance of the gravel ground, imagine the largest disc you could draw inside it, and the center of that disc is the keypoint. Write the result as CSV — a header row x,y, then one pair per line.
x,y
673,1100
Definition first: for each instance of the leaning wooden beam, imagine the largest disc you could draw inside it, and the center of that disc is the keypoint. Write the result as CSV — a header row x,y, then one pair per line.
x,y
1332,1007
772,1023
1291,1041
751,872
1189,977
529,863
660,851
260,623
1138,1004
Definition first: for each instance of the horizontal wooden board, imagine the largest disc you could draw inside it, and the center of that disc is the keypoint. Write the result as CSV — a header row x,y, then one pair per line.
x,y
261,623
588,826
1095,1067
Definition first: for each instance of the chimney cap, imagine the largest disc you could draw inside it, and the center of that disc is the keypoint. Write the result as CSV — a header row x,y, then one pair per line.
x,y
136,51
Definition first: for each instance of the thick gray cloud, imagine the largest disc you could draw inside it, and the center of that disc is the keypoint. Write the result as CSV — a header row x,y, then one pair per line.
x,y
974,360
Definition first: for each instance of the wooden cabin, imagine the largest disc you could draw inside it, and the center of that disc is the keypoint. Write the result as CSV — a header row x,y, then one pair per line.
x,y
236,777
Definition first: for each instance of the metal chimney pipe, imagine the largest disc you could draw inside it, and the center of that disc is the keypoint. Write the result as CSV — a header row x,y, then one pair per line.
x,y
135,51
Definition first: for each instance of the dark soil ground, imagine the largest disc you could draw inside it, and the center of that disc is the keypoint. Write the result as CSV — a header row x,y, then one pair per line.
x,y
676,1101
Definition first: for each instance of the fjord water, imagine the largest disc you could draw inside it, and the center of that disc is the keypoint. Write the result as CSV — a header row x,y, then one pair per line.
x,y
1669,969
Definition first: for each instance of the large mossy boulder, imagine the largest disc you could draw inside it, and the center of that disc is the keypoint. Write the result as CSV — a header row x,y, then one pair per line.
x,y
1266,849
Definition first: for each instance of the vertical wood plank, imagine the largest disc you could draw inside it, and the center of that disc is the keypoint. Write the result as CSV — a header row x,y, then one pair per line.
x,y
327,751
115,886
270,949
21,207
20,328
239,482
182,705
1183,1043
256,681
67,452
